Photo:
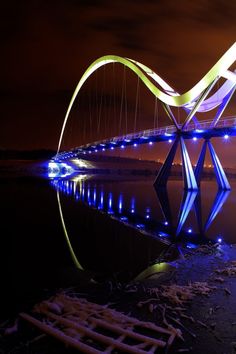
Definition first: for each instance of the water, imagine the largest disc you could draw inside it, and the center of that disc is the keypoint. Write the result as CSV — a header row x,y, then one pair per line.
x,y
113,226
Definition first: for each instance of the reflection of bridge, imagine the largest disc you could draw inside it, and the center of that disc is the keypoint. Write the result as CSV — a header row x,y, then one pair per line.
x,y
93,194
211,94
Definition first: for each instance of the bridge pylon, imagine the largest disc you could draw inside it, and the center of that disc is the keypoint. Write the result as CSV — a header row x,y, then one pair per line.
x,y
221,178
187,170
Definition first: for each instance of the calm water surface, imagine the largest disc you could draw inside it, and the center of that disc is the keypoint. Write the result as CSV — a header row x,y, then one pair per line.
x,y
106,225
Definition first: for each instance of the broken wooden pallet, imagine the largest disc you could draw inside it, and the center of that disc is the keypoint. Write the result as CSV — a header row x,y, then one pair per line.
x,y
93,328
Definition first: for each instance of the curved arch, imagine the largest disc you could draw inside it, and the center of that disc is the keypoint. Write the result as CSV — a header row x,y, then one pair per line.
x,y
168,98
73,255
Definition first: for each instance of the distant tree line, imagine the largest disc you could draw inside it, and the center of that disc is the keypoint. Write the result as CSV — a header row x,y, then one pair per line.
x,y
26,154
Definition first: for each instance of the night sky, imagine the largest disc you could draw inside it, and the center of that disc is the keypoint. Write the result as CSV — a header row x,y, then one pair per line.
x,y
47,45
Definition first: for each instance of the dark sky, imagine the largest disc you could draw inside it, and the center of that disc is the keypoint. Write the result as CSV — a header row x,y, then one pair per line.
x,y
47,45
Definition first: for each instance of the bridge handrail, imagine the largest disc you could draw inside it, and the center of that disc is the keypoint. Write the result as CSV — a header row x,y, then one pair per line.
x,y
148,133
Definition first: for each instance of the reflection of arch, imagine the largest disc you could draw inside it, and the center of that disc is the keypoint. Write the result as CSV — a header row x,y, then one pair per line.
x,y
191,100
75,259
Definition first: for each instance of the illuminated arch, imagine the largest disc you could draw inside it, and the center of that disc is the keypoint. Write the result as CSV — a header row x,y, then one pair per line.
x,y
168,96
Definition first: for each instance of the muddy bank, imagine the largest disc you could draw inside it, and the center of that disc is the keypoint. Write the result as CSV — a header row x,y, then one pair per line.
x,y
196,295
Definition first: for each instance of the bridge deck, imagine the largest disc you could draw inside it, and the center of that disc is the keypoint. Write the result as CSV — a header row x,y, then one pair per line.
x,y
203,129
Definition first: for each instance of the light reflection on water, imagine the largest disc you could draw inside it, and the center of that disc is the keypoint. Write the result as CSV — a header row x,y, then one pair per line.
x,y
173,214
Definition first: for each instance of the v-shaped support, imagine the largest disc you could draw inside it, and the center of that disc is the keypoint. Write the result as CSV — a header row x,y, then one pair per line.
x,y
219,171
187,170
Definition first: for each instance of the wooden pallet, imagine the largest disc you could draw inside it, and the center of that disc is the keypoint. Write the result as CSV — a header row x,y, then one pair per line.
x,y
93,328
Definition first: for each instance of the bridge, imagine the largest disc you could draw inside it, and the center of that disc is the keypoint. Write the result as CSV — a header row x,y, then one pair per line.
x,y
212,93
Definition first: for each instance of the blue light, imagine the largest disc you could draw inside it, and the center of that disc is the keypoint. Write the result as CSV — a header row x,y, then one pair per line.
x,y
166,223
96,150
94,196
123,218
140,226
110,211
219,239
132,205
120,203
101,200
162,234
112,148
89,152
122,146
190,231
191,246
103,149
226,136
147,216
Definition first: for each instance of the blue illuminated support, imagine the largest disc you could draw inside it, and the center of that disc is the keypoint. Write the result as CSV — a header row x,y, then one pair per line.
x,y
200,163
219,172
185,207
217,205
188,174
164,173
164,203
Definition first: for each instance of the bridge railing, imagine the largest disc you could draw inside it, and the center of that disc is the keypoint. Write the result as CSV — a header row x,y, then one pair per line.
x,y
148,133
208,124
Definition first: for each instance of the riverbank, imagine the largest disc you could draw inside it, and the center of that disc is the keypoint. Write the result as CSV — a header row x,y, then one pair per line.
x,y
196,295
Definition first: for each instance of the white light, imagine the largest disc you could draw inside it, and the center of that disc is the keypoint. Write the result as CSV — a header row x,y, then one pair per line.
x,y
103,149
135,145
112,148
219,239
194,138
150,143
226,136
170,140
190,231
122,146
53,165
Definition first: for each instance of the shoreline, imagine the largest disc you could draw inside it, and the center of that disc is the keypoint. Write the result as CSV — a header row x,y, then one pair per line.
x,y
207,323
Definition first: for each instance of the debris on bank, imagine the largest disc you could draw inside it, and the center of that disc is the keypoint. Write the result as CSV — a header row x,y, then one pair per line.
x,y
190,311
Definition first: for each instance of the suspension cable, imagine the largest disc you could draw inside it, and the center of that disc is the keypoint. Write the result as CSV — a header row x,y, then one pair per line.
x,y
136,105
